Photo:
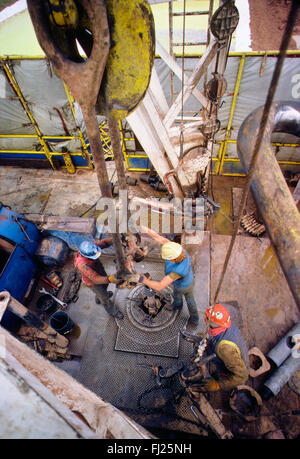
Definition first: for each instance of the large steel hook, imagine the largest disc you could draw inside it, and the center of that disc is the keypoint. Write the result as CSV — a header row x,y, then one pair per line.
x,y
59,26
270,191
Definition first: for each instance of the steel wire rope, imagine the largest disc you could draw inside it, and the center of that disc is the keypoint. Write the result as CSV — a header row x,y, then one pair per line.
x,y
182,80
264,119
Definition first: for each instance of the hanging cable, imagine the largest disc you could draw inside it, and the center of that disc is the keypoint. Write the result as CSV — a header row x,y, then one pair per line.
x,y
182,82
265,115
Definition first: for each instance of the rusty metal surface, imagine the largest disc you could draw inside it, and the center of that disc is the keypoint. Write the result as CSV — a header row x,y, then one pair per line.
x,y
272,195
102,29
6,300
83,79
114,132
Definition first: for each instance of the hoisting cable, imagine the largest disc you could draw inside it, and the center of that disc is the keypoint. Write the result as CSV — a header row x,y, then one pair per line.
x,y
182,82
264,119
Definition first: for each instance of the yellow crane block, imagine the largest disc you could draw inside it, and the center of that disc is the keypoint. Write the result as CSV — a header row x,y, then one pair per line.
x,y
131,57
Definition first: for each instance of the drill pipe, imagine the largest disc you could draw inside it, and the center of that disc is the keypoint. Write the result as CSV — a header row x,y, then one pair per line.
x,y
271,193
282,350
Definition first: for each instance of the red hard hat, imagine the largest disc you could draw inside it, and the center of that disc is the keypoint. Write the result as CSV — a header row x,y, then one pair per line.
x,y
220,315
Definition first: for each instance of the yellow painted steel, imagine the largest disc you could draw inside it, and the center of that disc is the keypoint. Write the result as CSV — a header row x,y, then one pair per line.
x,y
123,146
131,57
27,111
232,108
63,14
18,136
219,161
295,52
34,136
105,139
68,162
31,152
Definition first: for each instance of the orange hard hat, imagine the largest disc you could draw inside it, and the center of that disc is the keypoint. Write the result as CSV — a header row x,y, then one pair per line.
x,y
220,315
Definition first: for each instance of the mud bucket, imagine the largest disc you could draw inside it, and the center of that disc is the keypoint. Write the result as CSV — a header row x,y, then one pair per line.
x,y
245,401
61,322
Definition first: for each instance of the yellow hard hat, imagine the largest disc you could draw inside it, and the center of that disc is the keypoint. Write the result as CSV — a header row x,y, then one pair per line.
x,y
170,250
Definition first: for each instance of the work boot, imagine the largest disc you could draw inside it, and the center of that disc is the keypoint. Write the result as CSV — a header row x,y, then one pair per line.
x,y
192,374
169,307
110,294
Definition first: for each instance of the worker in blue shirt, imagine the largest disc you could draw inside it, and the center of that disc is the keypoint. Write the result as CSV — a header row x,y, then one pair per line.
x,y
178,273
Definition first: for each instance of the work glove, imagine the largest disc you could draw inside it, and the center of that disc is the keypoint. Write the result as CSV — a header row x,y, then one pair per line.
x,y
112,279
194,374
206,385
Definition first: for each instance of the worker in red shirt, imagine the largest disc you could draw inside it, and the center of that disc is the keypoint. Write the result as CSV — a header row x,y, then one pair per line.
x,y
94,275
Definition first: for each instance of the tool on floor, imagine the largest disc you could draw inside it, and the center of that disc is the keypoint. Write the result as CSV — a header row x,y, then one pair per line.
x,y
49,283
61,303
154,181
54,278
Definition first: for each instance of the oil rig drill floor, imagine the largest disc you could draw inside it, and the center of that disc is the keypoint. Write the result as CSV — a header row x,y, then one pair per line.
x,y
109,362
116,358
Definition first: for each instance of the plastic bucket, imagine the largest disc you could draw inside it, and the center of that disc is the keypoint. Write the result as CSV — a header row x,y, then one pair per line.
x,y
61,322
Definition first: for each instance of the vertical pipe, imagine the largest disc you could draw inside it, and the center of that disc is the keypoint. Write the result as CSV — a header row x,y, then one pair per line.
x,y
103,179
114,132
84,146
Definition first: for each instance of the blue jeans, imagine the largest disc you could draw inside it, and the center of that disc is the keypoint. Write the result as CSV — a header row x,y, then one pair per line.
x,y
188,293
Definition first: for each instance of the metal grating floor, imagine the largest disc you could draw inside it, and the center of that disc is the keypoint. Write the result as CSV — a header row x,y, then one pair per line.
x,y
119,368
118,359
140,333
